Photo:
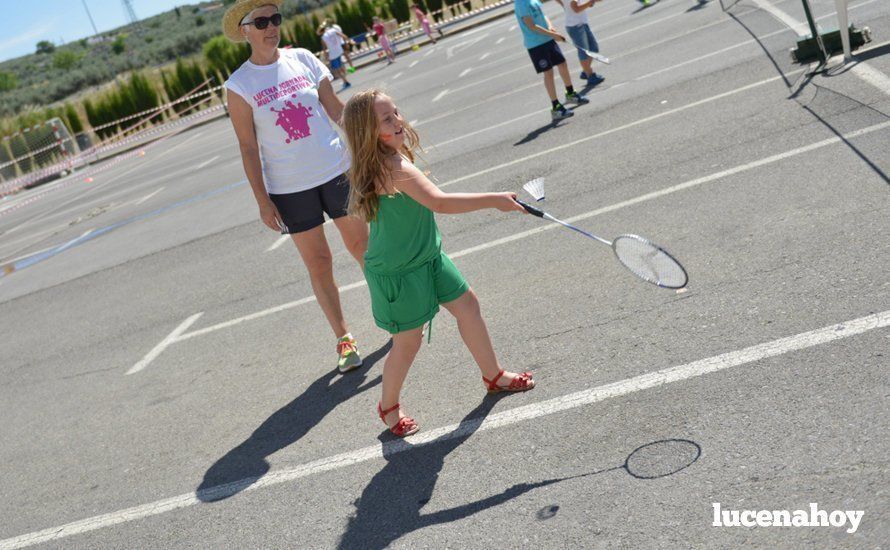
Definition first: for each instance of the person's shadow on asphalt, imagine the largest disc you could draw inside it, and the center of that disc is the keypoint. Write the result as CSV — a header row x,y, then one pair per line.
x,y
246,464
390,506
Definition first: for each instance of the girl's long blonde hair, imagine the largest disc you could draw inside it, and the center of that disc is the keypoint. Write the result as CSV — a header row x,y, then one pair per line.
x,y
369,174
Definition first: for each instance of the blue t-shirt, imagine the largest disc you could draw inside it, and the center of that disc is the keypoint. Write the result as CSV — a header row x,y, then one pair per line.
x,y
533,9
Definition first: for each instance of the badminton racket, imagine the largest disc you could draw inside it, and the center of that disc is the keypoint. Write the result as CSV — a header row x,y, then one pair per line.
x,y
639,255
596,56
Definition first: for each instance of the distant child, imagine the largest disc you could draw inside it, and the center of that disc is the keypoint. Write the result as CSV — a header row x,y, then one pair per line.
x,y
332,40
583,39
383,40
540,38
408,275
424,22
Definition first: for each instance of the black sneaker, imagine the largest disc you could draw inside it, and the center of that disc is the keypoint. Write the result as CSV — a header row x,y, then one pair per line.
x,y
561,113
577,99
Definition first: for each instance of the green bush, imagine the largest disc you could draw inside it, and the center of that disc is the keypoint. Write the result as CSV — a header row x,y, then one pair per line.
x,y
223,56
65,59
400,10
7,82
73,119
119,45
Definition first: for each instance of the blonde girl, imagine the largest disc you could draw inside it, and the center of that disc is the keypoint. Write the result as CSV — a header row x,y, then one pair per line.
x,y
408,274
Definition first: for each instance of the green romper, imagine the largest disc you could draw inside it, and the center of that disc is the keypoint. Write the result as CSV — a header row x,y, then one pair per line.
x,y
407,272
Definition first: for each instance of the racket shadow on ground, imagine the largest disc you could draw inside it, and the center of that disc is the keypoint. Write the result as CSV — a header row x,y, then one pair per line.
x,y
246,464
390,505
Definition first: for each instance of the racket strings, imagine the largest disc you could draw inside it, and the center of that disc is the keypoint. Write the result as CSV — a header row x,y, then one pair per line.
x,y
649,262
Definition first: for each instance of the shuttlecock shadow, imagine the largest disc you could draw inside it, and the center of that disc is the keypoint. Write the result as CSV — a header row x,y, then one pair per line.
x,y
246,464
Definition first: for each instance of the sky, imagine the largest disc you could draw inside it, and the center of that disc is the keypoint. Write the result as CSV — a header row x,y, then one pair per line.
x,y
24,24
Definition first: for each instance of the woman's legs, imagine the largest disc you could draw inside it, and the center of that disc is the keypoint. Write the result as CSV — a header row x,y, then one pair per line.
x,y
475,335
404,349
316,255
354,233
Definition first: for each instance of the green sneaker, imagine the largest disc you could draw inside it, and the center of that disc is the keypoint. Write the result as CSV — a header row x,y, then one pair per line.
x,y
348,352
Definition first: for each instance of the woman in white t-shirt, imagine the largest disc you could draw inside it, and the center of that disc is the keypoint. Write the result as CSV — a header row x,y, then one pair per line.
x,y
282,105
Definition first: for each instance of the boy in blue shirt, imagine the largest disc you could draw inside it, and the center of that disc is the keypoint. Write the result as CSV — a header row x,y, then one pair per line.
x,y
539,37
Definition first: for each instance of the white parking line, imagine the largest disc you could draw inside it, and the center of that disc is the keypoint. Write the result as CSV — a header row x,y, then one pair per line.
x,y
499,40
800,28
415,62
483,56
397,75
278,242
524,413
872,76
440,95
465,72
146,197
165,343
179,336
206,163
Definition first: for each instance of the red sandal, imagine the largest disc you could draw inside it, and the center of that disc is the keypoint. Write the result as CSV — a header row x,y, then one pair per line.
x,y
522,382
404,427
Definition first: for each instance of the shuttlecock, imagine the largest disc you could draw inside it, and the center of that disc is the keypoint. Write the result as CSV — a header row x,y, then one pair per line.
x,y
535,188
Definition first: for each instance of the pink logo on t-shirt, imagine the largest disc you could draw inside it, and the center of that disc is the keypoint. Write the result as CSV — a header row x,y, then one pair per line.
x,y
294,119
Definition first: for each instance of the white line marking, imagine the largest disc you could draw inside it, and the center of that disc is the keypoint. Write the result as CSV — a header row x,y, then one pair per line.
x,y
440,95
278,242
540,229
429,52
464,72
146,197
499,40
415,62
795,25
257,315
413,122
397,75
655,379
512,28
172,337
872,76
483,56
206,163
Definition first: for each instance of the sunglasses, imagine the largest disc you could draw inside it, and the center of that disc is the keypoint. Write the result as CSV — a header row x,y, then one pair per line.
x,y
263,22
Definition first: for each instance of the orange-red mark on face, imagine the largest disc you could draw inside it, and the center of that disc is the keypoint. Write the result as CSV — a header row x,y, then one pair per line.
x,y
386,136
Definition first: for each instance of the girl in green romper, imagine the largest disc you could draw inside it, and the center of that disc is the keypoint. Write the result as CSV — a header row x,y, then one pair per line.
x,y
408,274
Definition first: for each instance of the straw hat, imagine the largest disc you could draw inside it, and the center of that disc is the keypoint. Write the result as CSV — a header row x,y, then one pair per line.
x,y
232,19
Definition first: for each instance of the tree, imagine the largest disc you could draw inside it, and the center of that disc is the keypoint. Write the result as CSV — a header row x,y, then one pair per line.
x,y
45,46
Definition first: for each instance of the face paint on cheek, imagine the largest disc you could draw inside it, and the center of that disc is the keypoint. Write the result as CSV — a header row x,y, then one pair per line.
x,y
386,137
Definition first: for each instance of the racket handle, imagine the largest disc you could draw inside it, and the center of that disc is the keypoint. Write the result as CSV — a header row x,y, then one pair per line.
x,y
531,209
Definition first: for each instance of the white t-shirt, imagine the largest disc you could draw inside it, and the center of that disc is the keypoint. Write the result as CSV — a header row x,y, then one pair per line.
x,y
334,43
573,19
299,147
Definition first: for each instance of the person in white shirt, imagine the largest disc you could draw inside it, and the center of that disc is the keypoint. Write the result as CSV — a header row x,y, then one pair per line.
x,y
332,41
282,106
579,32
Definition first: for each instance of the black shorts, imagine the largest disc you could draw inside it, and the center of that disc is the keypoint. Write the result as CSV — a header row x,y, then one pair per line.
x,y
305,210
546,56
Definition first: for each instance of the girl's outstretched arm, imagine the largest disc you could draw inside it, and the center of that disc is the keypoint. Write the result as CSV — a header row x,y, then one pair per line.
x,y
408,179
